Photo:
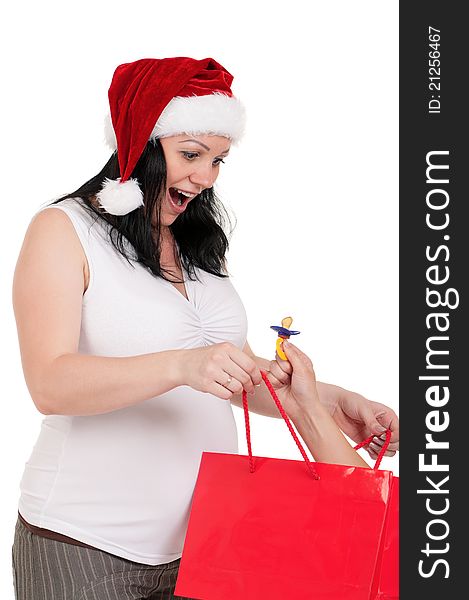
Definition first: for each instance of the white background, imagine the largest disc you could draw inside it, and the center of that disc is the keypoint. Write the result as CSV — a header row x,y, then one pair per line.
x,y
313,185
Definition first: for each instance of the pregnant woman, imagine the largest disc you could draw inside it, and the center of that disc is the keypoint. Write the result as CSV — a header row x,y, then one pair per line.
x,y
133,345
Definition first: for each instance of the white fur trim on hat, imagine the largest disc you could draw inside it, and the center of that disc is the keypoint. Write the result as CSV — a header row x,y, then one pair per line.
x,y
213,114
120,198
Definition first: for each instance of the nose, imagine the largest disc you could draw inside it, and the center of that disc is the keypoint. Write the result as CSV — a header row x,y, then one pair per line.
x,y
203,175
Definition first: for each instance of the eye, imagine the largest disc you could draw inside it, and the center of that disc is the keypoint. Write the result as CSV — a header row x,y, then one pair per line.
x,y
190,155
217,161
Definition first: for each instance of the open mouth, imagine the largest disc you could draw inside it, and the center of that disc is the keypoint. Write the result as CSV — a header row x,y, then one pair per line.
x,y
178,197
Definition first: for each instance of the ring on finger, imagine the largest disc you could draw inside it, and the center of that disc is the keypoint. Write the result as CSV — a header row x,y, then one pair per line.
x,y
230,379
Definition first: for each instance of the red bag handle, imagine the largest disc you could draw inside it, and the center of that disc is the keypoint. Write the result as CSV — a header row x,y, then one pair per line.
x,y
311,469
386,443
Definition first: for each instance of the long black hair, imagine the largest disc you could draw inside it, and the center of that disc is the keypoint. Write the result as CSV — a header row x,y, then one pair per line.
x,y
199,231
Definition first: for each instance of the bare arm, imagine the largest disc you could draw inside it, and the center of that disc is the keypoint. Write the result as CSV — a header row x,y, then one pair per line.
x,y
48,289
312,420
324,439
78,384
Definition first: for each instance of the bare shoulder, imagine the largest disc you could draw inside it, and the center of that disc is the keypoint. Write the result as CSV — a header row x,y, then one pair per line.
x,y
51,239
48,287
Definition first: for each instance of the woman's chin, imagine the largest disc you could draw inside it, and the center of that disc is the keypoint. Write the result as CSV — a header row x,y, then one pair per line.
x,y
167,219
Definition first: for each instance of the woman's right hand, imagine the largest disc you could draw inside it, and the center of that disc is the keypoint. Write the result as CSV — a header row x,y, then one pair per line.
x,y
219,369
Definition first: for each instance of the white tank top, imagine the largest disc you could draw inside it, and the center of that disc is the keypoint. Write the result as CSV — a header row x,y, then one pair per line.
x,y
123,481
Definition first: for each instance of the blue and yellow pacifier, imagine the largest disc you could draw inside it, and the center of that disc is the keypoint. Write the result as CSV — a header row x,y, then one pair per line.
x,y
283,334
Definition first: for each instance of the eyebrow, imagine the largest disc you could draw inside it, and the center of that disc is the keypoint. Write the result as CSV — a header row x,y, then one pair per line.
x,y
203,145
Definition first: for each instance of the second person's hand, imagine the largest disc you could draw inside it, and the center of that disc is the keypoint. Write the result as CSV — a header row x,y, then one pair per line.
x,y
220,369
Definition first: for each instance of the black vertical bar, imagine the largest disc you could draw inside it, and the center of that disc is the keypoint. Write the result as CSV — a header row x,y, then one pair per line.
x,y
434,230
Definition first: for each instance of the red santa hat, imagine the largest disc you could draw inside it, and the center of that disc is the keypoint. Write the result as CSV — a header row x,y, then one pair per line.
x,y
154,98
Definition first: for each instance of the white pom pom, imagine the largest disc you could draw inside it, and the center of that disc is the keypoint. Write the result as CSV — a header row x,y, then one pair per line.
x,y
120,198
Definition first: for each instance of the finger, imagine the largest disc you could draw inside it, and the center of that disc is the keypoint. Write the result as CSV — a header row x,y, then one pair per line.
x,y
300,362
372,451
375,448
244,377
379,441
279,373
376,418
284,365
276,384
390,450
248,365
382,438
220,391
366,416
388,419
231,383
304,358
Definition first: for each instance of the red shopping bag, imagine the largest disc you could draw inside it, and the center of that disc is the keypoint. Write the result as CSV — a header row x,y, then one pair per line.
x,y
386,578
281,529
386,581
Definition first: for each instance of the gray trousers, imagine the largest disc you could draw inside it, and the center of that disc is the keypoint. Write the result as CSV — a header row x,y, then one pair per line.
x,y
44,569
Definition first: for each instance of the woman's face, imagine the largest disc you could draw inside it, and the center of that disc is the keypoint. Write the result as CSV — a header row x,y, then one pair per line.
x,y
192,165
